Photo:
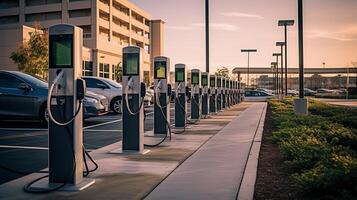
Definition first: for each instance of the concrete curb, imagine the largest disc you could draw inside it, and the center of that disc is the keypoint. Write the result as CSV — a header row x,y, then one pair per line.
x,y
246,189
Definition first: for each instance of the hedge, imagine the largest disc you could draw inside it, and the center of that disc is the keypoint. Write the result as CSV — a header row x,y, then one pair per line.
x,y
320,148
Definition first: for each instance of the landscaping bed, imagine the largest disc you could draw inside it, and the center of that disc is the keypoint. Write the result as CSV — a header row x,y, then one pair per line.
x,y
308,157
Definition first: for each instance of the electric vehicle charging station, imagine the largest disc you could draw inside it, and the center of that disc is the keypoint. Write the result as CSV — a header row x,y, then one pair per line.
x,y
65,110
195,94
162,95
213,94
224,96
219,94
235,93
205,98
227,92
133,99
180,98
231,93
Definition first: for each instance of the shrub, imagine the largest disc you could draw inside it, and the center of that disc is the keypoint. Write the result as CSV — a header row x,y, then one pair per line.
x,y
320,148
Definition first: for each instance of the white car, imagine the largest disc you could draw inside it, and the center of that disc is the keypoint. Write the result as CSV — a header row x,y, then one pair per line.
x,y
108,88
265,90
255,95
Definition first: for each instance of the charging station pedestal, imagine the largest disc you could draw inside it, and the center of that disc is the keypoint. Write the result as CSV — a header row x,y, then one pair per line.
x,y
180,96
161,96
133,100
205,98
65,128
219,94
213,95
195,94
231,93
224,96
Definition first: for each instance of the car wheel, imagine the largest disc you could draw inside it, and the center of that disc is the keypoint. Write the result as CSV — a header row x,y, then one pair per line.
x,y
44,114
116,105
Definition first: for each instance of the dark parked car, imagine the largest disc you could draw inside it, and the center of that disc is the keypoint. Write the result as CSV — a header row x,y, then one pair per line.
x,y
23,96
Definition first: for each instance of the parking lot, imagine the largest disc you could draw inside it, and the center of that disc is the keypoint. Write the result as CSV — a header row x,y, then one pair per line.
x,y
23,145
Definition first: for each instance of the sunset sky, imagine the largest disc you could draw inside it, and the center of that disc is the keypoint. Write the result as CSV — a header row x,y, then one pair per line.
x,y
330,31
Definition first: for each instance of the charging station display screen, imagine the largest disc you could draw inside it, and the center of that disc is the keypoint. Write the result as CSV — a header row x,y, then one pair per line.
x,y
212,82
195,79
160,70
131,63
180,75
219,82
204,80
61,51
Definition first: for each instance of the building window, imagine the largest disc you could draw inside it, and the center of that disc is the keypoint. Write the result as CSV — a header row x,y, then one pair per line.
x,y
9,19
41,2
104,15
121,7
87,31
106,2
79,13
87,68
43,16
104,70
5,4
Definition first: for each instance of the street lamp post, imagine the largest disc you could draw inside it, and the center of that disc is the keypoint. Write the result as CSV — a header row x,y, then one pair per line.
x,y
300,105
248,51
277,69
207,34
286,23
282,44
273,67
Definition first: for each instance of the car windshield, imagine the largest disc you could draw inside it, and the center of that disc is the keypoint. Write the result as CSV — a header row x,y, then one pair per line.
x,y
34,80
113,83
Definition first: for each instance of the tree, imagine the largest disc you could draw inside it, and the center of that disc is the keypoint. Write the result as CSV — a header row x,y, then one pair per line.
x,y
118,73
32,56
224,72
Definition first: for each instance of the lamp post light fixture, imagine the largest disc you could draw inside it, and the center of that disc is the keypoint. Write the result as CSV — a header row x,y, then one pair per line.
x,y
248,51
277,55
285,24
281,45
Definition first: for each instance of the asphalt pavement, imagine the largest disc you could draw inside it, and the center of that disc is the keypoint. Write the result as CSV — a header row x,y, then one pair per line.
x,y
24,144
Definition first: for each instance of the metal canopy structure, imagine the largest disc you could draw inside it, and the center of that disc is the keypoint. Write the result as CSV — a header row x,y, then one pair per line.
x,y
265,70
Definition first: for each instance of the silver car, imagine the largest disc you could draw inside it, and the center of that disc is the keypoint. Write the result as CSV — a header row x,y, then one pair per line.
x,y
108,88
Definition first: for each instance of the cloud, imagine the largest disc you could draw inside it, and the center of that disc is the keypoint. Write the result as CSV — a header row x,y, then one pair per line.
x,y
214,26
180,27
239,14
219,26
347,34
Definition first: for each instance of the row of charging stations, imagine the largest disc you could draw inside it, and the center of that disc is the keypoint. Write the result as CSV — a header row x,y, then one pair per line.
x,y
208,95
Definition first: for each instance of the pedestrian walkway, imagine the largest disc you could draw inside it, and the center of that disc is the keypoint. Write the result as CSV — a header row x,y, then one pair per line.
x,y
216,170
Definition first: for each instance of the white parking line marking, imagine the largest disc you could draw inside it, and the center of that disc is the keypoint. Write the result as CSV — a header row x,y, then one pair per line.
x,y
29,147
23,147
95,130
44,129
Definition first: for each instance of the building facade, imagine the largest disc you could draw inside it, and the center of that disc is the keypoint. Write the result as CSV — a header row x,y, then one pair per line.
x,y
108,26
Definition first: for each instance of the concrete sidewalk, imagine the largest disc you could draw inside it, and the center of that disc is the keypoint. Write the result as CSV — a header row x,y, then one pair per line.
x,y
216,170
138,176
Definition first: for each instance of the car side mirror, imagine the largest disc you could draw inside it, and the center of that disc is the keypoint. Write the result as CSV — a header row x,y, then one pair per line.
x,y
24,86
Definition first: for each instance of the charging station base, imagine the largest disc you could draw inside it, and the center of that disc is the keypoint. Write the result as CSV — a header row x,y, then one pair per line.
x,y
45,185
127,152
